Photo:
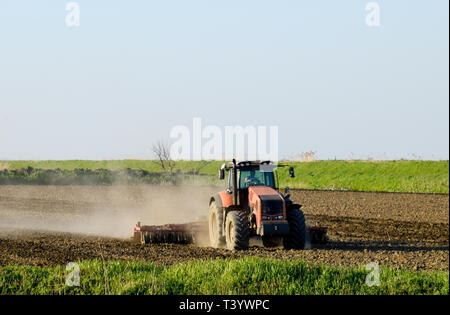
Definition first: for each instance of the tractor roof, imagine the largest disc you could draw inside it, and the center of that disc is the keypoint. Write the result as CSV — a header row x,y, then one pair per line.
x,y
253,163
246,164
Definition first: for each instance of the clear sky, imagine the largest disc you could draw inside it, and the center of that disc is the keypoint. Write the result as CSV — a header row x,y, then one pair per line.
x,y
134,69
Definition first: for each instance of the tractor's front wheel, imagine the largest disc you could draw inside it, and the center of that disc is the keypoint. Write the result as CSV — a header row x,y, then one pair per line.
x,y
216,237
237,230
296,238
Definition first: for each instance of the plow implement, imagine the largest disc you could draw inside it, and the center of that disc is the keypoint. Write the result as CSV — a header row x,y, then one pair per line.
x,y
187,233
168,233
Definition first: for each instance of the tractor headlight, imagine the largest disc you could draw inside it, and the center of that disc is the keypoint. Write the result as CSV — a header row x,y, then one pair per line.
x,y
279,217
264,217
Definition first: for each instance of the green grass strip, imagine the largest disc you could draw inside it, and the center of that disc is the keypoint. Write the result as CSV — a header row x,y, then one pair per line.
x,y
388,176
243,276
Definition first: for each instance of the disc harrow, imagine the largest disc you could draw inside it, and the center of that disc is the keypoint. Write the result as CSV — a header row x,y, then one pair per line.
x,y
168,233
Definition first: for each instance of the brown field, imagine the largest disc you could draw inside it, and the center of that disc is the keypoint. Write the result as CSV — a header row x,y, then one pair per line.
x,y
52,225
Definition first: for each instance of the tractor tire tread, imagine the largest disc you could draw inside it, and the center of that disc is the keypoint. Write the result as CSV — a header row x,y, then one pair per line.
x,y
241,230
296,239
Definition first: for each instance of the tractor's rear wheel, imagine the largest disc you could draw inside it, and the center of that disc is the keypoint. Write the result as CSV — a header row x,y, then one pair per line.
x,y
296,238
237,230
216,237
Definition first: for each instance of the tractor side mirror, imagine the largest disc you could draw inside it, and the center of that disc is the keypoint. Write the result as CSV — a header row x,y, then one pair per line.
x,y
287,192
221,174
291,172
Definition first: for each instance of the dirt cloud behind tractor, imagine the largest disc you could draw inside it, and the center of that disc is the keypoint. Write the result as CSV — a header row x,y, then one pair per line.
x,y
104,211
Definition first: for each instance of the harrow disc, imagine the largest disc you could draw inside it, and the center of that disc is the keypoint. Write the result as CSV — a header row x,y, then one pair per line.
x,y
170,233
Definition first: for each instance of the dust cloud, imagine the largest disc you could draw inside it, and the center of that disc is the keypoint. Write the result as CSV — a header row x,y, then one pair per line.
x,y
110,211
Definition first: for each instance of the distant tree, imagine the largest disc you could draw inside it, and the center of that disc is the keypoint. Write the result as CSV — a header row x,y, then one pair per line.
x,y
201,165
161,150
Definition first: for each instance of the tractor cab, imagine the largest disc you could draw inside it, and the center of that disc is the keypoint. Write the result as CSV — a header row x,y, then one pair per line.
x,y
247,174
254,176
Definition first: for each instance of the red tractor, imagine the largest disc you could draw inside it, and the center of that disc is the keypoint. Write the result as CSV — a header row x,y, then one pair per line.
x,y
252,205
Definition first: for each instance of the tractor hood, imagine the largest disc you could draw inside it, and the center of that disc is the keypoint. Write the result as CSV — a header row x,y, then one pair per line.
x,y
268,200
263,191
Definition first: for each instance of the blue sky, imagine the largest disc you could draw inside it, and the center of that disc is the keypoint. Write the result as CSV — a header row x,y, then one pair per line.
x,y
134,69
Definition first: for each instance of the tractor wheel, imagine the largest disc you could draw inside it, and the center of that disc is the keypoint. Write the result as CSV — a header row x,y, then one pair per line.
x,y
216,237
271,241
237,230
296,238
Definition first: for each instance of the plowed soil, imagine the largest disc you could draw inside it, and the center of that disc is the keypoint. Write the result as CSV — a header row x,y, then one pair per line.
x,y
54,225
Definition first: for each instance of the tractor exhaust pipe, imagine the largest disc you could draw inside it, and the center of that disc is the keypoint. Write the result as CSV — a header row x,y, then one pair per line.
x,y
235,190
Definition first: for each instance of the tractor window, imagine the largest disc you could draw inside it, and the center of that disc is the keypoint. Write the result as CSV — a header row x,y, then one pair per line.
x,y
254,177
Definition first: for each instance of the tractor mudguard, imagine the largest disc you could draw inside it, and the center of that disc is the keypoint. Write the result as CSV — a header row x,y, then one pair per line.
x,y
294,206
225,198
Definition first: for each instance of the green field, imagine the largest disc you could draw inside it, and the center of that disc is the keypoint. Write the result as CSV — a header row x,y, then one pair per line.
x,y
390,176
244,276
